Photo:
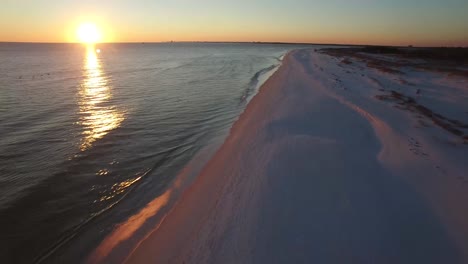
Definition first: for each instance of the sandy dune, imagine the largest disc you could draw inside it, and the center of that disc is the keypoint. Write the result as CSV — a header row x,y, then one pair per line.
x,y
320,170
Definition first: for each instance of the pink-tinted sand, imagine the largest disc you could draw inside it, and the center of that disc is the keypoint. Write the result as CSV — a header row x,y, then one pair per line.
x,y
317,170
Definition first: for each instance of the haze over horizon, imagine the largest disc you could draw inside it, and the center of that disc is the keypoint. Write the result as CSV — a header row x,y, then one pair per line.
x,y
434,23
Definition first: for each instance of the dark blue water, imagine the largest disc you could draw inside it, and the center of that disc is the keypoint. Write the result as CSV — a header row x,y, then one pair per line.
x,y
85,129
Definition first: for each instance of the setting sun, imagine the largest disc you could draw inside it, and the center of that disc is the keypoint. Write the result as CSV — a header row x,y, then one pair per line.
x,y
88,33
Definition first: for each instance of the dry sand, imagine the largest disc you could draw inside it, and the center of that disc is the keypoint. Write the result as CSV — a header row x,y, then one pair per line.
x,y
319,170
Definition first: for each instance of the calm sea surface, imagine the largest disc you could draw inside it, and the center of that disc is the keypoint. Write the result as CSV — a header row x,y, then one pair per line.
x,y
88,136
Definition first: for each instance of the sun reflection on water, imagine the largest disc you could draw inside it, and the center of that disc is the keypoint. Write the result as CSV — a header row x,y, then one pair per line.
x,y
98,116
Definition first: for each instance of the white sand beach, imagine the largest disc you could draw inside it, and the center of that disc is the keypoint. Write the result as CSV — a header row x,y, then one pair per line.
x,y
326,165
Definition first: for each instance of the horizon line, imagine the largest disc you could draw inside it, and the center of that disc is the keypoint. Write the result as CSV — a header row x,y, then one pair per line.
x,y
234,42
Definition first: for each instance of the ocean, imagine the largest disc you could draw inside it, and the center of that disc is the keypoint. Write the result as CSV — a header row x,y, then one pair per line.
x,y
90,135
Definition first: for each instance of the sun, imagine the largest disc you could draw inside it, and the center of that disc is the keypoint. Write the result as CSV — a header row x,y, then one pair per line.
x,y
88,33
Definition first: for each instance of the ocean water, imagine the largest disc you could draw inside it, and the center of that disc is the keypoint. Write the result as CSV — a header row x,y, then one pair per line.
x,y
85,129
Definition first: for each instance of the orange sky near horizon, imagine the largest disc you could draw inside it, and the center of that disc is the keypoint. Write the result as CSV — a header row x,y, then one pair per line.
x,y
209,20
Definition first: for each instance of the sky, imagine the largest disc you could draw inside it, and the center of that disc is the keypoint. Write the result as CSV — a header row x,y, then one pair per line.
x,y
386,22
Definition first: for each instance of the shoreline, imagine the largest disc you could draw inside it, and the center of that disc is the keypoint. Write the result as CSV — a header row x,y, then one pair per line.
x,y
205,187
287,180
111,247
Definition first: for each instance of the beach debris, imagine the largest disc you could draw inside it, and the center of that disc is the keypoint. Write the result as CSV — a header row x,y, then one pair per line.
x,y
346,61
409,103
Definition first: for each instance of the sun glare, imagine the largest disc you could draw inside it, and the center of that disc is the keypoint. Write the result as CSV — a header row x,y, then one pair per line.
x,y
88,33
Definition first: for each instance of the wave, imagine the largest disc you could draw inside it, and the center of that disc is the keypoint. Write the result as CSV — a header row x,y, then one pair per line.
x,y
259,78
256,81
